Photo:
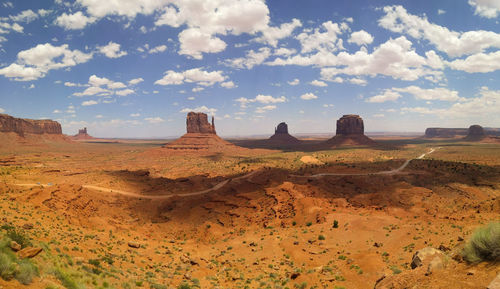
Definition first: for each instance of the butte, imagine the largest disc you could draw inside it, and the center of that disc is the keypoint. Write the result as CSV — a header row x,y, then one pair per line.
x,y
82,135
200,136
350,131
282,137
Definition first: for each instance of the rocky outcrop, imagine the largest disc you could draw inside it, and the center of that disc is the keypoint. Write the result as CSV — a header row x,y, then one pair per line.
x,y
200,136
350,124
23,126
197,122
475,131
82,135
445,132
350,132
281,136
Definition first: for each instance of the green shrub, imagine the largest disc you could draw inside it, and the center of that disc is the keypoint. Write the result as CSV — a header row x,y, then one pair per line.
x,y
184,286
19,236
484,245
158,286
26,272
335,224
66,280
321,237
7,267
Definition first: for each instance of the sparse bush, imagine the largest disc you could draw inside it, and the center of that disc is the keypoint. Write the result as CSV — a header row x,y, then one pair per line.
x,y
19,236
321,237
484,245
184,286
7,267
335,224
26,272
67,280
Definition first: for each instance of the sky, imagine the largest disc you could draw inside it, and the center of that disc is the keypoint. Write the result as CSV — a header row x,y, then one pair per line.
x,y
135,68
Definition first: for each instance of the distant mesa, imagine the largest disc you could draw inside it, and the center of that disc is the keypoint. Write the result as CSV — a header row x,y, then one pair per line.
x,y
350,131
23,126
200,135
475,132
441,132
281,136
82,135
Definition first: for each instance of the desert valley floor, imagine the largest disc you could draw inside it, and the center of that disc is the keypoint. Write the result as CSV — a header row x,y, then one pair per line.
x,y
128,214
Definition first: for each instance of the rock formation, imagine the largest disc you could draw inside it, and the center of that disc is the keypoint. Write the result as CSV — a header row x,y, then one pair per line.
x,y
350,131
282,137
438,132
350,124
476,131
23,126
82,135
197,122
200,135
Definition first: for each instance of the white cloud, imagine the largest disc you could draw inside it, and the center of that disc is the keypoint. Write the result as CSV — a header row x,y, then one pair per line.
x,y
135,81
124,92
324,38
74,21
56,111
154,119
318,83
308,96
453,43
265,99
2,110
480,62
379,115
195,75
388,95
99,116
194,42
438,93
112,50
294,82
135,114
129,9
228,84
361,38
271,35
486,8
282,51
251,58
264,109
197,89
25,16
36,62
93,90
441,11
89,103
203,108
158,49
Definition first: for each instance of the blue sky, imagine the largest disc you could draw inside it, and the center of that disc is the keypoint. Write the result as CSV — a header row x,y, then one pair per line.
x,y
134,68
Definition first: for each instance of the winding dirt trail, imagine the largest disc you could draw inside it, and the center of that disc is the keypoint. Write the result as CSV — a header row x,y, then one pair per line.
x,y
223,183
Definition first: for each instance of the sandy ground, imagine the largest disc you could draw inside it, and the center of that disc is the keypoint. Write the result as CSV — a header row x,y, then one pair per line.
x,y
261,219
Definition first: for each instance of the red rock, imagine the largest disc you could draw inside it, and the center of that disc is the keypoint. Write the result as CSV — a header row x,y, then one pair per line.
x,y
29,252
82,135
350,131
282,137
23,126
197,122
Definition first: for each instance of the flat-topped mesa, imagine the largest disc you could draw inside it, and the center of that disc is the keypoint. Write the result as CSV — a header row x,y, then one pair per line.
x,y
197,122
476,131
350,124
23,126
441,132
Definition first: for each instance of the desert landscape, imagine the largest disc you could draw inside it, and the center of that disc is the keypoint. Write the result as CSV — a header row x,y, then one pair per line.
x,y
391,213
241,144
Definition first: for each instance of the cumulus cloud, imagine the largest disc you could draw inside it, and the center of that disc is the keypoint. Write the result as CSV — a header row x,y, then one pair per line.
x,y
154,119
228,84
203,108
157,49
271,35
486,8
261,98
89,103
361,38
24,16
264,109
388,95
251,59
294,82
318,83
397,19
195,75
480,62
308,96
135,81
74,21
324,38
438,93
103,86
36,62
112,50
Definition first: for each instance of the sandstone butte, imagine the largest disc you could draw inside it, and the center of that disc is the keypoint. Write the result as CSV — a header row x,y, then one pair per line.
x,y
82,135
282,137
23,126
350,131
200,135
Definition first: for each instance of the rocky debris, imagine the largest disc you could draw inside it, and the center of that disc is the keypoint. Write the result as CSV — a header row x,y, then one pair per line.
x,y
424,256
23,126
350,124
14,246
495,284
197,122
133,244
29,252
350,131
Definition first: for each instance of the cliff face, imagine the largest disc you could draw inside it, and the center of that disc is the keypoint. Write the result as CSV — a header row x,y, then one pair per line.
x,y
445,132
22,126
197,122
350,124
